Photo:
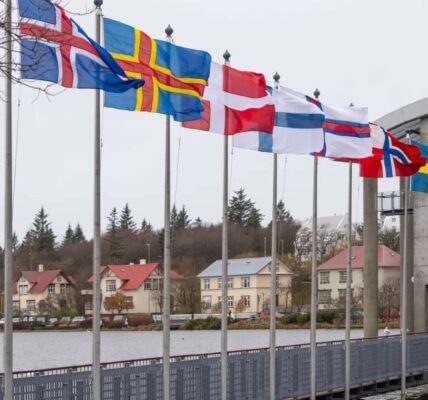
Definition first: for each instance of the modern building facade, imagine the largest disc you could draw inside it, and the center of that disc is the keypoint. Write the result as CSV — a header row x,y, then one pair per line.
x,y
332,276
248,283
39,292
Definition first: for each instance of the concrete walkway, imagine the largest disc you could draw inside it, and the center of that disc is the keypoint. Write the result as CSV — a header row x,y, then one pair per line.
x,y
416,393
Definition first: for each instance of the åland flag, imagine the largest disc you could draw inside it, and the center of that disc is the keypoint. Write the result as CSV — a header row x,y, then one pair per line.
x,y
420,180
55,48
175,77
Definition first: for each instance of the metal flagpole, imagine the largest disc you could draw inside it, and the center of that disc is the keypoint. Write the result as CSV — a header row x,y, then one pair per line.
x,y
96,292
314,277
403,310
8,311
224,268
273,284
167,252
348,292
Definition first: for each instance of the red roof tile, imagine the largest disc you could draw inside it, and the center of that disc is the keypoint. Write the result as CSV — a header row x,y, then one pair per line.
x,y
132,276
40,280
386,258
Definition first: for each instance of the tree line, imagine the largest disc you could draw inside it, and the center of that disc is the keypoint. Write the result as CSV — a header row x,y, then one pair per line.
x,y
195,244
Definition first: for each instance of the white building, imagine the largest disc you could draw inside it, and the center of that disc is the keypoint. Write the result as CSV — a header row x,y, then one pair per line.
x,y
332,275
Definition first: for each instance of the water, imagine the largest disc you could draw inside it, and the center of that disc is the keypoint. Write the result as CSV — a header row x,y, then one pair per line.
x,y
50,349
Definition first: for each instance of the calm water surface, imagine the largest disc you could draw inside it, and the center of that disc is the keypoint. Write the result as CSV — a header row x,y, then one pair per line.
x,y
38,350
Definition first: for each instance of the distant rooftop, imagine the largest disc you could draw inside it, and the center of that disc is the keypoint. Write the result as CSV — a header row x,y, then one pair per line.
x,y
387,258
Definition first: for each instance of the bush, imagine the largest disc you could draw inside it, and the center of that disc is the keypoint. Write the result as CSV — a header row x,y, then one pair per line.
x,y
290,318
64,312
86,324
135,320
303,318
113,324
210,323
327,316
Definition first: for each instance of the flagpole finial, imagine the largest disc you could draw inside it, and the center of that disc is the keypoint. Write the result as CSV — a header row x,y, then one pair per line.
x,y
98,3
276,77
317,93
169,31
226,56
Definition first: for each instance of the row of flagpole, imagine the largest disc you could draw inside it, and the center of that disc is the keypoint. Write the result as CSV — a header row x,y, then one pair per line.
x,y
96,367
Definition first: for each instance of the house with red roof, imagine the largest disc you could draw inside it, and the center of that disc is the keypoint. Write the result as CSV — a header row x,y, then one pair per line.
x,y
38,292
332,275
140,283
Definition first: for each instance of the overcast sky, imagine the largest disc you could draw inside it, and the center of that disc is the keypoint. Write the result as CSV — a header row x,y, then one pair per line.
x,y
369,52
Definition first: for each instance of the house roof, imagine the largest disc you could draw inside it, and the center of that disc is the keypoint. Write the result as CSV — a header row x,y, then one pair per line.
x,y
238,266
132,275
387,258
41,279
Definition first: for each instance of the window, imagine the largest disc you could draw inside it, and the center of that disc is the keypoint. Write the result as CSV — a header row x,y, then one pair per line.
x,y
247,302
59,278
88,305
342,294
206,284
324,297
16,307
23,289
206,302
230,301
148,284
219,283
155,284
324,277
342,276
111,285
245,282
63,288
31,305
51,288
230,283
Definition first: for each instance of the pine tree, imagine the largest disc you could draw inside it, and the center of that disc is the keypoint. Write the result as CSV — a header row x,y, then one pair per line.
x,y
43,236
112,234
182,220
113,225
78,235
68,236
198,222
174,216
146,226
242,211
126,221
15,242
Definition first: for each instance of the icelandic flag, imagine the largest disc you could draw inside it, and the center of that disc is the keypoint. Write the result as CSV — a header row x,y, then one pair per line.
x,y
235,101
420,180
390,157
298,127
55,48
347,132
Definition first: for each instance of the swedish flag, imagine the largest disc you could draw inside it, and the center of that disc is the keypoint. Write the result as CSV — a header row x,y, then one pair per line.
x,y
175,77
420,180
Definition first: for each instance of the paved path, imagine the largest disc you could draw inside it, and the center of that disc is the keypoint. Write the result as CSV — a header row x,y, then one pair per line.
x,y
416,393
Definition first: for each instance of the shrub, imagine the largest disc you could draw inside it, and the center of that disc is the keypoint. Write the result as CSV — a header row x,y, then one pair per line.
x,y
86,324
113,324
139,319
210,323
290,318
64,312
303,318
327,316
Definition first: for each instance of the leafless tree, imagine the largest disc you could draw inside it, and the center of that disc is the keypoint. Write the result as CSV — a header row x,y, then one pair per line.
x,y
389,299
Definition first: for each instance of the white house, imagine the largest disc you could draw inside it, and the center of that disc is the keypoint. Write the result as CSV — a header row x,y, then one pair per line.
x,y
332,275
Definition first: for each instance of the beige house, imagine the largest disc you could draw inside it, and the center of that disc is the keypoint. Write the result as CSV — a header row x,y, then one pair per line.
x,y
38,292
332,276
248,283
140,283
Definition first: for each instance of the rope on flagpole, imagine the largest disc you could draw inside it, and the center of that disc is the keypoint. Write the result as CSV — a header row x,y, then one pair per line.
x,y
16,146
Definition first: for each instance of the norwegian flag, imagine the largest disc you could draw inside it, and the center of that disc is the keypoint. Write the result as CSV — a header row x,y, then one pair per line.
x,y
390,157
54,48
235,101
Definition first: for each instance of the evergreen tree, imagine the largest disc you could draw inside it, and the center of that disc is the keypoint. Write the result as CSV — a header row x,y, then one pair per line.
x,y
254,219
113,224
112,234
78,235
287,229
43,236
198,222
15,242
182,220
146,226
68,236
174,216
242,211
126,221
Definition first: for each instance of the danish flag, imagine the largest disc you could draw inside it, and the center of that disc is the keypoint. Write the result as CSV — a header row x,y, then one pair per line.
x,y
55,48
390,157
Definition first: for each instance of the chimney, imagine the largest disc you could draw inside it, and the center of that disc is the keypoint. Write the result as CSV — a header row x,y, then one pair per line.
x,y
40,267
131,263
143,261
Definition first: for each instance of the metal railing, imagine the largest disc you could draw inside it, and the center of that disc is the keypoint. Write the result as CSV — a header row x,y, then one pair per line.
x,y
197,377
